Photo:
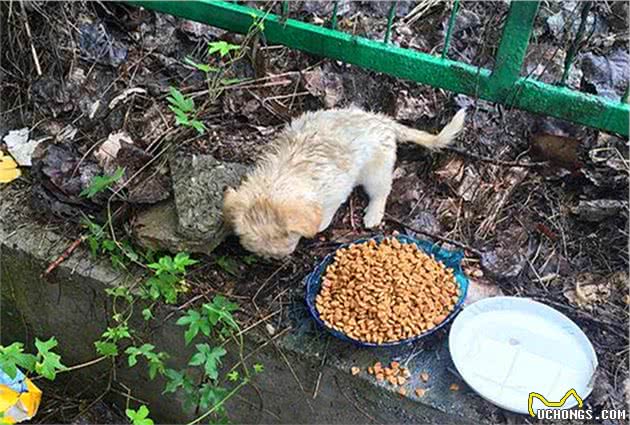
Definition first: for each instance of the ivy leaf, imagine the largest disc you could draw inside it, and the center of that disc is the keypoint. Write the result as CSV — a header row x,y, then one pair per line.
x,y
258,368
117,333
140,416
105,348
48,363
100,183
211,396
181,261
209,357
13,356
195,323
233,376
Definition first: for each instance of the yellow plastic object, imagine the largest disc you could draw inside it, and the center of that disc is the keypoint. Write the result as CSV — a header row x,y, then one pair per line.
x,y
19,398
9,170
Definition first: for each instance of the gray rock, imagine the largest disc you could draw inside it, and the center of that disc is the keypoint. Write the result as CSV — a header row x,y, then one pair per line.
x,y
198,185
156,228
598,210
193,221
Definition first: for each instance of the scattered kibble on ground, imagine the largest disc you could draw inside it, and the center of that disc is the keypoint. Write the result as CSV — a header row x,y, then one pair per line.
x,y
454,387
424,376
420,392
355,370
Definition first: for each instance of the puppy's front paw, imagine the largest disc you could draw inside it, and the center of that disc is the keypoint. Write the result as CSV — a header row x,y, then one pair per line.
x,y
372,218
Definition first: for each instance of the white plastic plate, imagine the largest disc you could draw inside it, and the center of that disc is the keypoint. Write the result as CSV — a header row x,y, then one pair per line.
x,y
507,347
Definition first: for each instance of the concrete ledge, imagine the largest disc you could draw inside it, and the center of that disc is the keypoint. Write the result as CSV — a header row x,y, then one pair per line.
x,y
71,304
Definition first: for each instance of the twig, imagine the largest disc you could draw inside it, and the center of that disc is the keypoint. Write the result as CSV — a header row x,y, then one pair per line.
x,y
321,369
64,256
495,161
38,68
461,245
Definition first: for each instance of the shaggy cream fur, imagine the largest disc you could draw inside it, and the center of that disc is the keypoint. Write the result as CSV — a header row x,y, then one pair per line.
x,y
311,169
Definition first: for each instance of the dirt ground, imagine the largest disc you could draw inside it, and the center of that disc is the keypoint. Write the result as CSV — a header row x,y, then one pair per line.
x,y
537,230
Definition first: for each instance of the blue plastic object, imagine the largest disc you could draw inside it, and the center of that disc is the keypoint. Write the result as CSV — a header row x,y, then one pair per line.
x,y
451,259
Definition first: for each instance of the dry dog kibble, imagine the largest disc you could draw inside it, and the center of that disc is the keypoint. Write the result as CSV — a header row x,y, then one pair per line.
x,y
385,292
454,387
424,376
420,392
355,370
402,391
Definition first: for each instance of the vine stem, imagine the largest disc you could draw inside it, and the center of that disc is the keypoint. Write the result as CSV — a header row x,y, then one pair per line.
x,y
219,404
75,367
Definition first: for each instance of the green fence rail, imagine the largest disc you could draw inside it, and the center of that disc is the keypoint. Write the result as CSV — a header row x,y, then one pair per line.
x,y
503,84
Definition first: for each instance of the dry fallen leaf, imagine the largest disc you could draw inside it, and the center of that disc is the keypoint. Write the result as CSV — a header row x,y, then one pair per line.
x,y
9,170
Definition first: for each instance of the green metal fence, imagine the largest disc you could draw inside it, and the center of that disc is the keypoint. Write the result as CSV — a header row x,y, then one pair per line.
x,y
503,84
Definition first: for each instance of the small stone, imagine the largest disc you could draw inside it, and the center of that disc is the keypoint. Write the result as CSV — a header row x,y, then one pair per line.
x,y
424,376
270,329
454,387
420,392
355,370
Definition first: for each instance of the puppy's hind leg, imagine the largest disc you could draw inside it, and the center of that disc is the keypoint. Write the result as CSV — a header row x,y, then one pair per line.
x,y
376,179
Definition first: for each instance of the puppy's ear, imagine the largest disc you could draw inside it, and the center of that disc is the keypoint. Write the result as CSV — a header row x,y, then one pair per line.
x,y
234,205
301,217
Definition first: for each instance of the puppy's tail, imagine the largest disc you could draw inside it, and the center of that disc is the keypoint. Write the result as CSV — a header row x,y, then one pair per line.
x,y
432,141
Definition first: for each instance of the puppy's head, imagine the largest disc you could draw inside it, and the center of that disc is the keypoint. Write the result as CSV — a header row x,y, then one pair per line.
x,y
268,227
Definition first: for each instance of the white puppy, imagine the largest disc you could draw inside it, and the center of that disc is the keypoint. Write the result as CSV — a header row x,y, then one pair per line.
x,y
311,169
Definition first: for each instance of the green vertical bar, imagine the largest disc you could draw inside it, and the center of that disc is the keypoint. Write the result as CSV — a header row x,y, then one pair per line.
x,y
449,31
568,62
285,9
513,47
624,99
390,20
333,22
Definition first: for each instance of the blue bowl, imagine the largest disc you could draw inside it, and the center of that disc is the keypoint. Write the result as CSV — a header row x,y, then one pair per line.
x,y
451,259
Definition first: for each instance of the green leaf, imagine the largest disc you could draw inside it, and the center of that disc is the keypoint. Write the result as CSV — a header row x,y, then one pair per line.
x,y
174,380
211,396
183,260
199,126
228,265
258,368
233,376
223,47
200,66
140,416
209,357
48,363
230,81
250,259
13,356
147,314
195,323
100,183
117,333
105,348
